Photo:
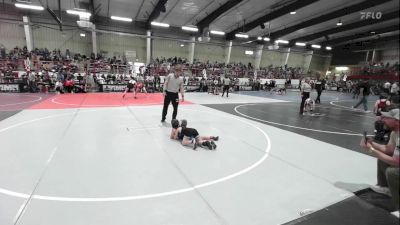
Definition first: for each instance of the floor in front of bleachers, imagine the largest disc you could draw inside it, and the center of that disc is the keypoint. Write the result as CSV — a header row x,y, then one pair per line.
x,y
100,159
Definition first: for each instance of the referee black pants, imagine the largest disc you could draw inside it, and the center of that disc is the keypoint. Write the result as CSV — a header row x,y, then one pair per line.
x,y
226,88
319,92
303,100
170,97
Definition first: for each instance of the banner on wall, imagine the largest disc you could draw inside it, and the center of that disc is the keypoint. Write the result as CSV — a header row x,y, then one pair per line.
x,y
9,88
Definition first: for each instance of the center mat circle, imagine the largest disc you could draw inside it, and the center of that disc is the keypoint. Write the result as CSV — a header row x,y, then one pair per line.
x,y
145,196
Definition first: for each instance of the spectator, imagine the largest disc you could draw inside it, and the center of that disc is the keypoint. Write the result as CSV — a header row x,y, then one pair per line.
x,y
388,158
364,89
318,86
32,82
381,104
305,90
394,90
59,87
386,87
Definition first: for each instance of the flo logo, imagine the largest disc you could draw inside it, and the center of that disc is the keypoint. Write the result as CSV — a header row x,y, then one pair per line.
x,y
371,15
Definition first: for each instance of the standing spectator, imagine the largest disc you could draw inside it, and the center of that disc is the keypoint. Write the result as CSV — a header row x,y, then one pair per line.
x,y
305,90
172,84
226,82
202,84
318,87
32,82
388,158
89,82
364,89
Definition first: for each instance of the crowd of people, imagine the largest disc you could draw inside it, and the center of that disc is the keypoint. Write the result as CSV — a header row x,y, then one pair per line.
x,y
198,68
372,68
44,69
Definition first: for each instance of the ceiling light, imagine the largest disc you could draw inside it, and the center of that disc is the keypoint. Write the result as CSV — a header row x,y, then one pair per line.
x,y
182,45
242,35
259,38
266,39
372,32
121,18
24,6
248,52
79,13
282,41
328,48
300,44
83,35
339,23
159,24
217,32
292,13
193,29
315,46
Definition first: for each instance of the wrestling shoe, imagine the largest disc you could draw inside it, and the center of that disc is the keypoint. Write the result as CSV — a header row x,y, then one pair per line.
x,y
216,138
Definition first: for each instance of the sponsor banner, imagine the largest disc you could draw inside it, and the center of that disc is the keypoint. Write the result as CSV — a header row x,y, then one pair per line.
x,y
9,88
114,87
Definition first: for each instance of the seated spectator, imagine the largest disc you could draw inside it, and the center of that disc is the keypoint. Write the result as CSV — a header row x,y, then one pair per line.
x,y
394,89
381,104
388,159
69,85
59,87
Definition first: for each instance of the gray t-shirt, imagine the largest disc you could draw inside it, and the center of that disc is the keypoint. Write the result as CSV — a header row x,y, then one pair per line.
x,y
172,84
305,87
226,81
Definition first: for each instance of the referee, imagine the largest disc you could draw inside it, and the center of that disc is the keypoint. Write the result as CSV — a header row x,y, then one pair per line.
x,y
172,83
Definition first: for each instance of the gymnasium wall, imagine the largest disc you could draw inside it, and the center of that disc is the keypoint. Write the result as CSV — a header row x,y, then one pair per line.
x,y
169,48
116,45
237,55
271,57
204,52
50,37
11,35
